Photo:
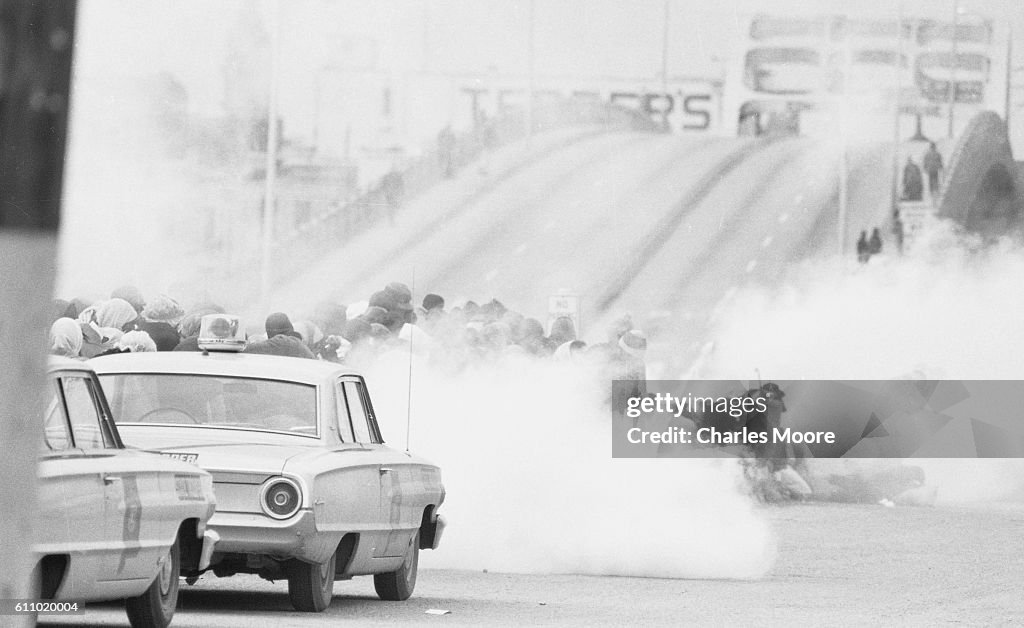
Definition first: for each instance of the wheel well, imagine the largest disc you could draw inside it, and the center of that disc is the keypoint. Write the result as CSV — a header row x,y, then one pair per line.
x,y
345,552
51,574
191,546
427,528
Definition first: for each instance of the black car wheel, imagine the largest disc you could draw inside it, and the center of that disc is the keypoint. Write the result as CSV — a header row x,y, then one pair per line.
x,y
311,585
155,607
398,585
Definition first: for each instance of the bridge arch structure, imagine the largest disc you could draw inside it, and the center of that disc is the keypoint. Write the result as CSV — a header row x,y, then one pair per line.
x,y
984,187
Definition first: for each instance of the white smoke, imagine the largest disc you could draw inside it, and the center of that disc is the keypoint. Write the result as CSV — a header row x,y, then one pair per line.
x,y
949,309
525,451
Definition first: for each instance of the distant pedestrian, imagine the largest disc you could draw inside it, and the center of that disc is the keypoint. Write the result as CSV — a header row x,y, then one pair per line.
x,y
875,243
913,186
863,248
933,166
897,230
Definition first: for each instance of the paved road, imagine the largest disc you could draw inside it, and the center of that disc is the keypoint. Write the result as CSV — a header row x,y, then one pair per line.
x,y
665,227
836,565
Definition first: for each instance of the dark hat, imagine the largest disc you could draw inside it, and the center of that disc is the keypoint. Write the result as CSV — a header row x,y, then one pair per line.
x,y
356,329
771,388
399,291
375,314
432,301
279,323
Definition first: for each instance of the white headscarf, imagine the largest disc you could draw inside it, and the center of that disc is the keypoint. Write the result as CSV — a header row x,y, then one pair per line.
x,y
65,338
115,313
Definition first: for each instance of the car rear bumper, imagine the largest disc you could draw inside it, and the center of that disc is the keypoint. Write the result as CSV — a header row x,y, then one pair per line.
x,y
296,537
210,540
431,536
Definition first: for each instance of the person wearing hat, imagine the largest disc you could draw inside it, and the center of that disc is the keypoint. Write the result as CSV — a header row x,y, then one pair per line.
x,y
431,313
628,364
160,320
282,339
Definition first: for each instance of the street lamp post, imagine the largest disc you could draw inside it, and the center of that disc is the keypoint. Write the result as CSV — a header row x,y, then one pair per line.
x,y
954,63
530,74
664,66
271,163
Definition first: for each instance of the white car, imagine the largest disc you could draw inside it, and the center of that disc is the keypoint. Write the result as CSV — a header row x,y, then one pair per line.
x,y
306,488
113,523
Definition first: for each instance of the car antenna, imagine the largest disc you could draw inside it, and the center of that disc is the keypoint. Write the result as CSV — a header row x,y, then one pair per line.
x,y
758,371
408,391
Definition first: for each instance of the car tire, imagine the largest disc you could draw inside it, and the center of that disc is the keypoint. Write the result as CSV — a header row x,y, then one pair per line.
x,y
396,586
311,585
155,607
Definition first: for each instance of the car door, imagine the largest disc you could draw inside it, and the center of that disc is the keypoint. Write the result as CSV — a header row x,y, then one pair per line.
x,y
73,494
70,504
353,488
101,461
394,472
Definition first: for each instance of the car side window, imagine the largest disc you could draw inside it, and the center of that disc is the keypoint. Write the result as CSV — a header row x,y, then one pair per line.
x,y
55,425
85,419
357,412
344,422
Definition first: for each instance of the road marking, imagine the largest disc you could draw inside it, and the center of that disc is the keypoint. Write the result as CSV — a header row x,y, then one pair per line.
x,y
783,217
491,275
519,249
751,265
767,240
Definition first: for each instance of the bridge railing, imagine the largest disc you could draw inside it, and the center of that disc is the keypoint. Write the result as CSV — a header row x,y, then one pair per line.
x,y
323,233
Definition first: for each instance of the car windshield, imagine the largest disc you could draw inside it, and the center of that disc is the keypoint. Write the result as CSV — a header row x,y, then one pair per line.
x,y
212,402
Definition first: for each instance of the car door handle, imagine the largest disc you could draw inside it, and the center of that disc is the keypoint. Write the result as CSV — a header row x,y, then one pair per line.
x,y
110,479
384,470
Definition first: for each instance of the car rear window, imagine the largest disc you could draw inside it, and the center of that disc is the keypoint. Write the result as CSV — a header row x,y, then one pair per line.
x,y
212,401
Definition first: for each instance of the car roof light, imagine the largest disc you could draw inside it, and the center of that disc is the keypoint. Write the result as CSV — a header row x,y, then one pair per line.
x,y
221,332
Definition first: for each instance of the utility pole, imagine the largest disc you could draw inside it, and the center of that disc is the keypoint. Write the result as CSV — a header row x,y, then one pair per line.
x,y
664,65
35,86
266,265
899,110
953,67
530,74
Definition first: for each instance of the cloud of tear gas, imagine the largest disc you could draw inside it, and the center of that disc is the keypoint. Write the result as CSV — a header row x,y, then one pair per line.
x,y
949,309
531,486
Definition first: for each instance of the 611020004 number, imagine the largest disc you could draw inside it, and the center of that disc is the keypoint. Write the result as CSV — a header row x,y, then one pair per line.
x,y
41,607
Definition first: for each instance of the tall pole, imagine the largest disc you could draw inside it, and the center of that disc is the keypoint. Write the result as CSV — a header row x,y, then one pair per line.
x,y
844,183
955,63
664,65
530,75
899,109
1009,77
35,85
266,268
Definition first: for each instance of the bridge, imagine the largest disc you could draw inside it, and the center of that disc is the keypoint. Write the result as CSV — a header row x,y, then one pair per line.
x,y
665,227
985,186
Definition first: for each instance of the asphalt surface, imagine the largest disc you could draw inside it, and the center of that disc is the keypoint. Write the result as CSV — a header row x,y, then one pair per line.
x,y
836,565
665,227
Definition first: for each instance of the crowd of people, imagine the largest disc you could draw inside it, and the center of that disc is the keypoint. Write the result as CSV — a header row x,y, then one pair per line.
x,y
451,338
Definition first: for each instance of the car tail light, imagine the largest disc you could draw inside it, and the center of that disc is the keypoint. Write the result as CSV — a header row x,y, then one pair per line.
x,y
280,498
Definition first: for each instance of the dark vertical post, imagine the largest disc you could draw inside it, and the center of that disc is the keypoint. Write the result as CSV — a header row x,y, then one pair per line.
x,y
36,38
